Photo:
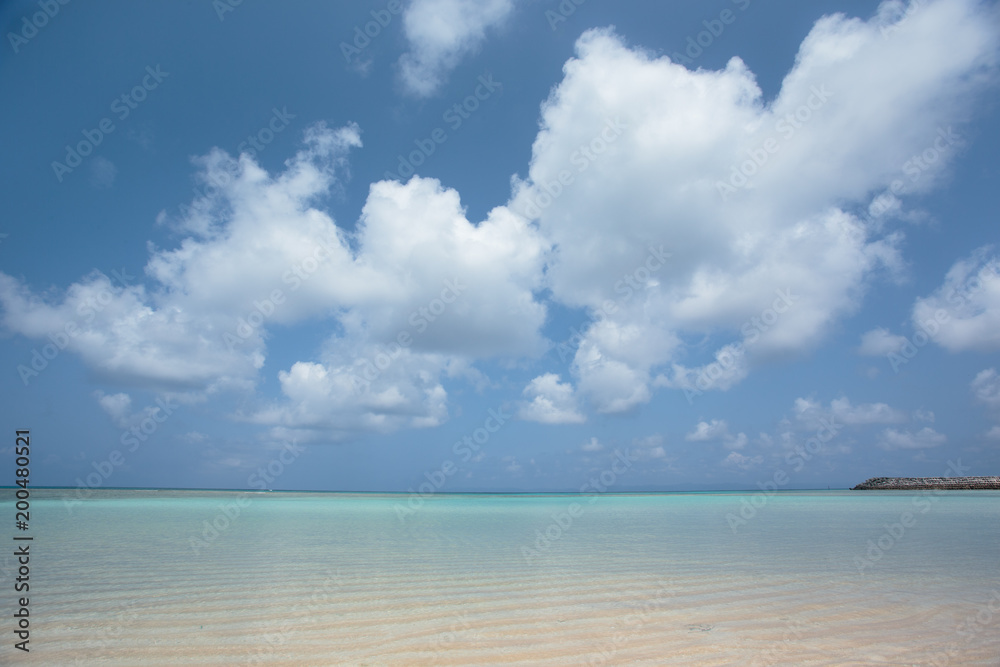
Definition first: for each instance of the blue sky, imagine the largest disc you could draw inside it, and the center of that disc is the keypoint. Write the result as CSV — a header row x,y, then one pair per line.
x,y
506,239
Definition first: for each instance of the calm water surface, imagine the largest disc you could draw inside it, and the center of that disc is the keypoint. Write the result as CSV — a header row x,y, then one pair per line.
x,y
224,578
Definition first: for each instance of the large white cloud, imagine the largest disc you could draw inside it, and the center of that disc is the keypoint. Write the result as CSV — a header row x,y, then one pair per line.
x,y
418,234
201,324
440,34
632,152
410,296
128,335
621,214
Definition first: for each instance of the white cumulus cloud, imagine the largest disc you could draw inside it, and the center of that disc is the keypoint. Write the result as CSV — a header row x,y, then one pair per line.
x,y
410,297
633,149
550,402
628,211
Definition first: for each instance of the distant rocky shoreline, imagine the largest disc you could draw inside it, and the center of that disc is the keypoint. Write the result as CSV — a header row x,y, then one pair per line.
x,y
918,483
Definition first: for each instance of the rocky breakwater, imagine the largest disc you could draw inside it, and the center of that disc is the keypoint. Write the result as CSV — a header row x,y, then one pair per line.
x,y
920,483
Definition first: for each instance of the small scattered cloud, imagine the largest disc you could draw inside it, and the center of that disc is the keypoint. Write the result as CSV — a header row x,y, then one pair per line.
x,y
738,441
649,447
880,342
812,414
118,406
102,172
742,462
970,296
550,402
892,439
717,429
142,135
986,389
705,431
592,446
440,34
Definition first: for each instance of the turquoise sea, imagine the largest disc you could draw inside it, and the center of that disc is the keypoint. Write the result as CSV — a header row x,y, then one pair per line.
x,y
230,578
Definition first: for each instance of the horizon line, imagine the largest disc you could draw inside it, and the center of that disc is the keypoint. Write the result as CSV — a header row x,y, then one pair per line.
x,y
417,493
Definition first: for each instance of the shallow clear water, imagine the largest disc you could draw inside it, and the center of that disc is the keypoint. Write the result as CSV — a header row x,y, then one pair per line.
x,y
816,578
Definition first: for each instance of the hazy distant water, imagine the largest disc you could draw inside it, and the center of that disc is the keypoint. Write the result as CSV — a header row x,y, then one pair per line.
x,y
814,578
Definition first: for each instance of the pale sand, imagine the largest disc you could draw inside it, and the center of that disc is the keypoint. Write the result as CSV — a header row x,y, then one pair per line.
x,y
540,618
